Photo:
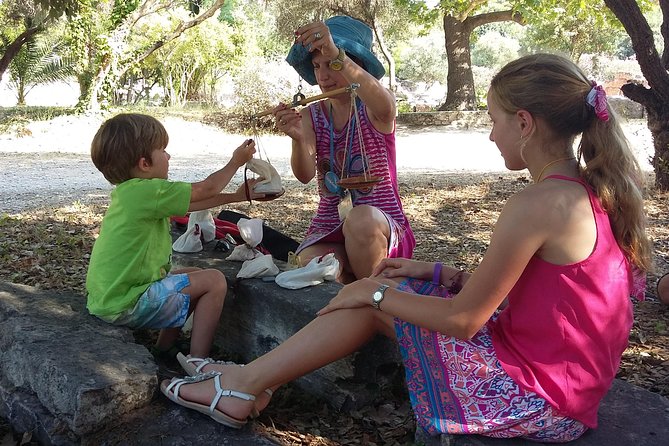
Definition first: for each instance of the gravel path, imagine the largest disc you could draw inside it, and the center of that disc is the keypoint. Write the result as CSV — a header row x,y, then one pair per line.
x,y
51,164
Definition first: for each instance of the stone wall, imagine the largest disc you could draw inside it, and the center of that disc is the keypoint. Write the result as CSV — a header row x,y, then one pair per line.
x,y
465,120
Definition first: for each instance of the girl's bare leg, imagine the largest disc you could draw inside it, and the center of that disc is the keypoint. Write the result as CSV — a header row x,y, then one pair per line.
x,y
366,235
324,340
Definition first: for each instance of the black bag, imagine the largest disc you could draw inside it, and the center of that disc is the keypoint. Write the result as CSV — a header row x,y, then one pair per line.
x,y
278,244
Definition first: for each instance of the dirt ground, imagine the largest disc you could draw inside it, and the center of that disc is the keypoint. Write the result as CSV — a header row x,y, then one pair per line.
x,y
52,201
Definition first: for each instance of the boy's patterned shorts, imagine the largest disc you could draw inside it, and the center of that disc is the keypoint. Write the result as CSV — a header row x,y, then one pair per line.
x,y
163,305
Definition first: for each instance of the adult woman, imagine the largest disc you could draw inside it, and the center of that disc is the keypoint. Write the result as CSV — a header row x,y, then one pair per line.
x,y
369,224
560,266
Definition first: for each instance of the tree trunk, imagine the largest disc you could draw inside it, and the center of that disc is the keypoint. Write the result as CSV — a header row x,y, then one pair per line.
x,y
392,83
14,47
656,98
461,94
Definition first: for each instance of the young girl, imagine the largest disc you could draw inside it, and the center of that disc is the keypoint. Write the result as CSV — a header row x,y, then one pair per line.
x,y
529,343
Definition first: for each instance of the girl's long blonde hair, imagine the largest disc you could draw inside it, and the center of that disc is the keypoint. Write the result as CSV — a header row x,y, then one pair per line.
x,y
553,88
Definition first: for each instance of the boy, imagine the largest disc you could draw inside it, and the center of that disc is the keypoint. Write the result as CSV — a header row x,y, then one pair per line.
x,y
129,281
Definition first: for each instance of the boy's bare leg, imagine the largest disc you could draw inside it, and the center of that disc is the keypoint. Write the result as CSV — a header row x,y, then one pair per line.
x,y
167,337
207,291
324,340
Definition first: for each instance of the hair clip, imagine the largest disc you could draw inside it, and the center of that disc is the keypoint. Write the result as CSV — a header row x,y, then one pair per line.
x,y
597,99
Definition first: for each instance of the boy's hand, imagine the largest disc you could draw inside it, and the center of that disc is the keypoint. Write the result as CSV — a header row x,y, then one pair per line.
x,y
241,195
243,153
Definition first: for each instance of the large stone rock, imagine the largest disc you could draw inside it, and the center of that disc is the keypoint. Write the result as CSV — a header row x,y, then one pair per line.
x,y
69,379
83,371
258,316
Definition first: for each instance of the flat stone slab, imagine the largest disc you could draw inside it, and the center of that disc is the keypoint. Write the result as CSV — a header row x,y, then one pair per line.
x,y
69,379
258,316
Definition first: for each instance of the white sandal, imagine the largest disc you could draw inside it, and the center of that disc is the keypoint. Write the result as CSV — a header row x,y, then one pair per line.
x,y
194,365
171,391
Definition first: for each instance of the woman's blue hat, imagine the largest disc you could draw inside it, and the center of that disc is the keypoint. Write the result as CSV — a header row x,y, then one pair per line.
x,y
348,33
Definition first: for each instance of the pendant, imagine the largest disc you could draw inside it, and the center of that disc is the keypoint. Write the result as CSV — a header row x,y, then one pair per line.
x,y
331,179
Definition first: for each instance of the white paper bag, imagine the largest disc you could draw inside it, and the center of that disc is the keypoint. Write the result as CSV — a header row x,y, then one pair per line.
x,y
206,222
189,241
261,266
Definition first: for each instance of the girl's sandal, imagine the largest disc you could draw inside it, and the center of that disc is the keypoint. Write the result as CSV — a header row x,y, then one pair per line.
x,y
171,390
193,366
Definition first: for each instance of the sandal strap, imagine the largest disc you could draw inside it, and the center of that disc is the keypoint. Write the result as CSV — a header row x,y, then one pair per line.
x,y
221,392
203,362
178,382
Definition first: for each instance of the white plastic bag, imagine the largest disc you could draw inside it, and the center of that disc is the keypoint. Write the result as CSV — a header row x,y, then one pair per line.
x,y
243,252
250,230
316,271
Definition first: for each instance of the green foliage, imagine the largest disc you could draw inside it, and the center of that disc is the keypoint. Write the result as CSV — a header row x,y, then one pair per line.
x,y
39,61
57,8
121,9
494,50
15,119
572,29
424,60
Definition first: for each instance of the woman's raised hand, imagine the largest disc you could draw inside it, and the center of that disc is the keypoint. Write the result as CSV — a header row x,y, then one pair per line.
x,y
316,36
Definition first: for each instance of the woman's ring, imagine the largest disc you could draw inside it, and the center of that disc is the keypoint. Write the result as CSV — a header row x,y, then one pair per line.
x,y
317,35
282,122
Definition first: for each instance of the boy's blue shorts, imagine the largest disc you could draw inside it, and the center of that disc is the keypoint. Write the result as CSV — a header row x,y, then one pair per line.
x,y
162,305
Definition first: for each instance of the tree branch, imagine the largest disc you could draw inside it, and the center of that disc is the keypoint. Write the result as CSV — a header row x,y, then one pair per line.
x,y
639,93
474,22
629,14
183,26
14,47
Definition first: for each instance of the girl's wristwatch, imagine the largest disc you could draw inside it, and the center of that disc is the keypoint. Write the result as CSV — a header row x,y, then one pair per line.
x,y
337,63
378,296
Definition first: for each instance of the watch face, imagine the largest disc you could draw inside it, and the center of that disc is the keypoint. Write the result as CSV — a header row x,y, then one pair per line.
x,y
336,65
378,295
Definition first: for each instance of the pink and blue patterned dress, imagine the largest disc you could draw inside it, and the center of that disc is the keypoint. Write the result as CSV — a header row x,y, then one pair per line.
x,y
380,161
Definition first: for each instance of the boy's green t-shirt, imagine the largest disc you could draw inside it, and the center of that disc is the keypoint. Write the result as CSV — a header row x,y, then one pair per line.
x,y
134,248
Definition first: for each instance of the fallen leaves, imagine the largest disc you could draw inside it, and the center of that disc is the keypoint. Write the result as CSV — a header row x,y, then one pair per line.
x,y
452,216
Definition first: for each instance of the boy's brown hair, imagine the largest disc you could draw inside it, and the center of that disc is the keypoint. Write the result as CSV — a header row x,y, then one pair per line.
x,y
122,141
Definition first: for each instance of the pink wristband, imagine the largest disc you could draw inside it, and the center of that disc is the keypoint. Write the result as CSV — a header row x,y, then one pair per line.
x,y
436,275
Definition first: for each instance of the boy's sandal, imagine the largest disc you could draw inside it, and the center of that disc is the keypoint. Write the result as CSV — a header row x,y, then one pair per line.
x,y
193,366
171,353
171,390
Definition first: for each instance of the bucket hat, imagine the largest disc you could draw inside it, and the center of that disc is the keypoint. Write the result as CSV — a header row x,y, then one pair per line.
x,y
348,33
